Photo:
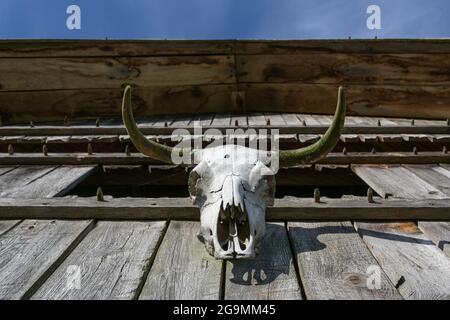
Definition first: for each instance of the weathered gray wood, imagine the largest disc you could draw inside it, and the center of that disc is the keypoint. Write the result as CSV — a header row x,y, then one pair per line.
x,y
397,181
288,208
6,225
113,259
182,268
413,263
334,263
270,276
438,232
6,169
222,122
31,251
138,158
21,177
436,176
51,183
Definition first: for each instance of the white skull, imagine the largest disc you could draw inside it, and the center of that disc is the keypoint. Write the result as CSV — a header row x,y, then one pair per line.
x,y
232,187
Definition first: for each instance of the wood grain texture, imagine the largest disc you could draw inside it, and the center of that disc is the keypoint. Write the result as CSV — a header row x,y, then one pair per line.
x,y
54,105
60,133
114,158
340,68
287,208
182,268
112,259
22,176
31,251
6,225
6,169
438,232
44,182
397,181
334,262
270,276
435,175
413,263
113,48
382,101
108,73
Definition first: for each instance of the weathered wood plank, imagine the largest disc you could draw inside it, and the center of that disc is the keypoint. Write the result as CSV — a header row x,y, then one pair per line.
x,y
6,169
348,46
182,268
113,259
287,208
21,177
436,176
334,263
411,261
270,276
31,251
381,101
138,158
55,105
113,48
222,122
6,225
397,181
94,73
44,184
344,68
438,232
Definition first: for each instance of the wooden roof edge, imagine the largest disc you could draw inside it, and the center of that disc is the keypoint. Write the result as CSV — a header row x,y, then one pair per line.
x,y
139,47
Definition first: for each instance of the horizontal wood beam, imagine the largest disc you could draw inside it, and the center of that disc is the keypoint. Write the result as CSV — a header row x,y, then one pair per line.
x,y
137,158
283,129
288,208
115,48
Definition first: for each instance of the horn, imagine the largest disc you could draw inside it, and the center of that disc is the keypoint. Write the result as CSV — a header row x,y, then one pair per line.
x,y
321,148
150,148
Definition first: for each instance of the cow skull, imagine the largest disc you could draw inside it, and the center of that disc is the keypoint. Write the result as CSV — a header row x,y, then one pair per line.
x,y
232,185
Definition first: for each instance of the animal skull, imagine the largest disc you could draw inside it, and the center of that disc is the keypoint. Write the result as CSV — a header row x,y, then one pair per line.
x,y
231,184
232,187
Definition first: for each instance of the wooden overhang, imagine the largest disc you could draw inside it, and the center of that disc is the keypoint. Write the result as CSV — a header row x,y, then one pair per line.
x,y
50,80
61,130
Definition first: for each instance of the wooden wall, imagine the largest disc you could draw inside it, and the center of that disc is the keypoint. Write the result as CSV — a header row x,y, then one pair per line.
x,y
45,80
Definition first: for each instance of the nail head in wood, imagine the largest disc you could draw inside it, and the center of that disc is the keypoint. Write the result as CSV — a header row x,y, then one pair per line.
x,y
99,195
316,195
89,149
370,195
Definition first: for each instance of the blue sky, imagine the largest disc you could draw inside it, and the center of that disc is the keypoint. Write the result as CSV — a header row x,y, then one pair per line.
x,y
224,19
